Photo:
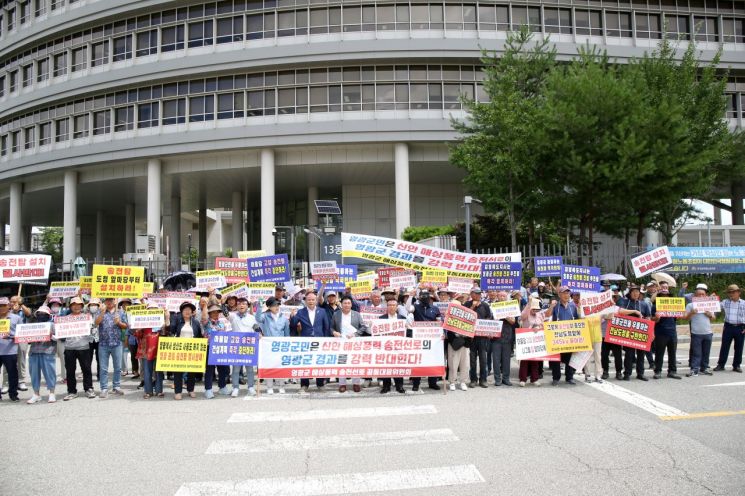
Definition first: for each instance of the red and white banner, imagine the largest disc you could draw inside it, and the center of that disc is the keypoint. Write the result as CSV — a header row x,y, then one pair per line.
x,y
369,314
170,301
426,330
630,332
302,357
33,333
324,270
234,269
594,303
72,326
388,327
460,284
406,281
460,320
487,328
19,268
706,304
651,261
530,344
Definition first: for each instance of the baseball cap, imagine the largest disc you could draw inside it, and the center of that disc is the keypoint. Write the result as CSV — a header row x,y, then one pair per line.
x,y
76,301
564,289
476,290
702,286
44,309
272,302
331,293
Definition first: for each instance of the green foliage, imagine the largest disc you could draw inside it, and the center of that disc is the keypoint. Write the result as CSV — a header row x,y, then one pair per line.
x,y
417,233
51,242
228,252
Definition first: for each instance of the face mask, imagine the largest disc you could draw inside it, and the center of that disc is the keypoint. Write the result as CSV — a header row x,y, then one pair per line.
x,y
93,309
55,309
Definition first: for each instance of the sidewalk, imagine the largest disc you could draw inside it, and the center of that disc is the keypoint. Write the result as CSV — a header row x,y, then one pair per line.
x,y
684,332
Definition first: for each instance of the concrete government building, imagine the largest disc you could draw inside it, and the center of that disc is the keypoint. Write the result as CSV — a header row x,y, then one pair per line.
x,y
127,118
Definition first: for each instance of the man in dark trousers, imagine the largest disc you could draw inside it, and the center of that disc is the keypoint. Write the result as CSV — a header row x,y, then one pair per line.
x,y
479,344
424,311
501,347
565,310
311,321
665,339
392,313
634,306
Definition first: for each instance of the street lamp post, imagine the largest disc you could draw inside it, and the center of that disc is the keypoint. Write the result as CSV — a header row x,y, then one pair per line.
x,y
467,204
189,256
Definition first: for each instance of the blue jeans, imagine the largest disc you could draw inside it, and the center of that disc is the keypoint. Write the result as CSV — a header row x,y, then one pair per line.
x,y
235,376
147,377
42,363
731,333
700,348
104,352
222,376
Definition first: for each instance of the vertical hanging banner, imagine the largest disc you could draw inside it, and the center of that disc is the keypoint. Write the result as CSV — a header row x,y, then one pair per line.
x,y
548,266
234,269
114,281
581,278
460,320
651,261
274,268
501,275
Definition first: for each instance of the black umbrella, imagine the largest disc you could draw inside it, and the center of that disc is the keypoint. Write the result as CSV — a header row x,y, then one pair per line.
x,y
179,281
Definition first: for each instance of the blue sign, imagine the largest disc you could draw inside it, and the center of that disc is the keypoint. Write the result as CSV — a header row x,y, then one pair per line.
x,y
580,278
233,348
548,266
709,260
347,273
501,275
274,268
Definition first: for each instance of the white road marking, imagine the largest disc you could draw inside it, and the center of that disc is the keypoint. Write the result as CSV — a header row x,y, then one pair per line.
x,y
638,400
726,384
361,440
354,483
346,413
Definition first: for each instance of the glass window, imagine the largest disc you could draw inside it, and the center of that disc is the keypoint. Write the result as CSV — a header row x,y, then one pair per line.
x,y
13,81
2,86
588,22
3,143
385,96
319,22
269,25
79,59
451,95
28,75
352,97
61,130
557,20
201,108
526,16
80,126
172,38
420,17
487,17
45,133
677,26
454,17
11,20
706,28
230,105
319,99
618,24
733,30
230,29
402,17
100,55
148,114
200,34
101,122
255,103
15,141
29,138
386,18
731,105
122,48
42,69
147,43
286,101
255,27
124,118
41,7
60,64
25,12
174,111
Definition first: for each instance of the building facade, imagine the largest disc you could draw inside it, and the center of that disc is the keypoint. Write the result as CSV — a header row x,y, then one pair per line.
x,y
125,118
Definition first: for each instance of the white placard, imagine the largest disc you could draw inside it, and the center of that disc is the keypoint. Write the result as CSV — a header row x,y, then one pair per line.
x,y
388,327
488,328
505,309
404,281
72,326
324,269
33,333
706,304
595,303
651,261
426,330
64,289
460,284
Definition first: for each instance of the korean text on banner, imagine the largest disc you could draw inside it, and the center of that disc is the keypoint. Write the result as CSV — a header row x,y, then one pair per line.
x,y
385,274
114,281
181,355
239,290
346,274
580,278
630,332
707,260
235,270
434,276
172,301
63,289
504,309
324,270
460,284
233,348
651,261
426,330
260,291
501,275
579,359
132,308
594,303
287,310
706,304
670,307
274,268
487,328
417,256
19,268
388,327
251,254
71,326
33,333
548,266
361,290
460,320
530,344
567,336
369,314
302,357
86,283
146,319
4,326
406,281
210,279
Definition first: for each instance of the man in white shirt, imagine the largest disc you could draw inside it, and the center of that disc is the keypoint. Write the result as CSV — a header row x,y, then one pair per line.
x,y
242,321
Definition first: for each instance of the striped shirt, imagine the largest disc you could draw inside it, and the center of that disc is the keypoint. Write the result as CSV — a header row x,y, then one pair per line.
x,y
734,311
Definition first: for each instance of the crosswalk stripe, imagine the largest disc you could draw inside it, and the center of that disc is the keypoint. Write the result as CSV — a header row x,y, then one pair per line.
x,y
346,413
353,483
644,402
361,440
726,384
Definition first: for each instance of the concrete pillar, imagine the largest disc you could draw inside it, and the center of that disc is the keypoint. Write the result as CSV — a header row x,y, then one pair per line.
x,y
99,234
313,241
202,243
403,207
26,238
237,222
175,232
153,201
738,193
70,222
129,228
267,200
251,227
16,234
717,216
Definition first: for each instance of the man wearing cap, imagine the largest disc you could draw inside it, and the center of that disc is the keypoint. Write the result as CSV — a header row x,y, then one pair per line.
x,y
9,348
110,323
330,304
242,321
501,347
77,350
392,314
734,329
211,322
564,310
633,305
273,325
701,336
480,345
665,340
311,321
423,310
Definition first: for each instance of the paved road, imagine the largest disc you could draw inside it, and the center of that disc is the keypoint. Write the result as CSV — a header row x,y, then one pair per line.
x,y
583,439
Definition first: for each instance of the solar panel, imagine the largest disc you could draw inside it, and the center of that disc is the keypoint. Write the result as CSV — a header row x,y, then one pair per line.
x,y
327,207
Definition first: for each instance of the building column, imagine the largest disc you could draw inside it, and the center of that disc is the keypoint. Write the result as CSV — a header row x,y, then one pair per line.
x,y
250,228
175,239
237,222
70,223
16,234
403,207
99,234
129,228
202,242
26,238
738,193
267,200
717,216
153,201
311,240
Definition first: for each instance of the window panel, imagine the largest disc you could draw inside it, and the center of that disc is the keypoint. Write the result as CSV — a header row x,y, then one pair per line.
x,y
174,111
230,29
147,43
61,130
60,64
200,34
201,108
45,133
172,38
27,75
101,122
122,48
124,118
148,114
29,138
80,126
100,55
79,59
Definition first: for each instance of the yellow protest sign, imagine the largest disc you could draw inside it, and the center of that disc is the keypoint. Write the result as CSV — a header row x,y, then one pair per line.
x,y
596,332
370,274
4,326
567,336
134,308
361,289
116,281
85,282
148,287
670,307
252,254
435,276
181,355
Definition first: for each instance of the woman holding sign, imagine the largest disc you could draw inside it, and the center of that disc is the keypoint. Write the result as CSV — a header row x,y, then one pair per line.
x,y
147,351
186,326
41,359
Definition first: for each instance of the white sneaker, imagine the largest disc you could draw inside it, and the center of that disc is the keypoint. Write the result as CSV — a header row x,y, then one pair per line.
x,y
223,391
452,386
537,383
281,390
33,399
522,383
4,390
209,394
270,391
234,393
463,386
251,391
52,398
22,387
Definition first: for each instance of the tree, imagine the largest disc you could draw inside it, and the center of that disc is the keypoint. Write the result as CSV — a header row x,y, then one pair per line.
x,y
418,233
497,140
51,242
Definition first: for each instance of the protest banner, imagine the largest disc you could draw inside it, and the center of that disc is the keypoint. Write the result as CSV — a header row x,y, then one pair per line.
x,y
670,307
132,308
210,279
63,289
370,274
595,327
416,256
460,285
459,319
361,290
530,344
434,276
239,290
406,281
487,328
146,319
170,301
72,326
303,357
706,304
630,332
251,254
548,266
579,359
274,268
567,336
233,348
580,278
235,270
86,283
442,306
20,268
4,326
385,273
504,309
260,291
115,281
426,330
181,355
651,261
345,275
501,275
33,333
388,327
594,303
324,270
287,310
707,260
369,314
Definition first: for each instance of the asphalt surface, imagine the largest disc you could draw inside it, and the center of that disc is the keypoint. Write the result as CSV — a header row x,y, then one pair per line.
x,y
572,440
